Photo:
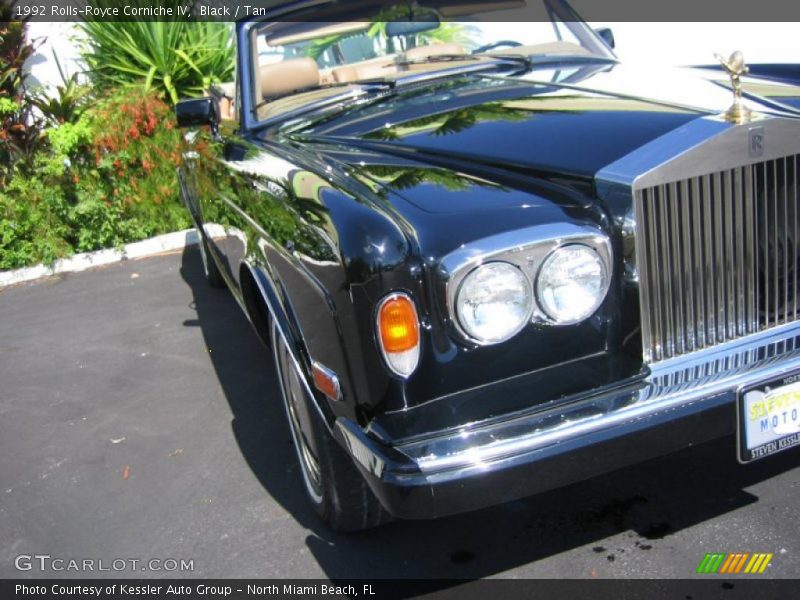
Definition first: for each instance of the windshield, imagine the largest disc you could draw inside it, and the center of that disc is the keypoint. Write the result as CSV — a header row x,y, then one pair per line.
x,y
302,61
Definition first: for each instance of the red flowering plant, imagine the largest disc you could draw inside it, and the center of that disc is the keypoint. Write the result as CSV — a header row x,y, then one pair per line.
x,y
133,152
80,172
107,179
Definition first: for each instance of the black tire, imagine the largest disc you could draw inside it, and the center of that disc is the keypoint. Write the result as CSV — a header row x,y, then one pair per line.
x,y
210,268
337,491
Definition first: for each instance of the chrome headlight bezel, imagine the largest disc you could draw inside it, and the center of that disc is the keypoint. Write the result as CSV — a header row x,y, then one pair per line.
x,y
551,257
526,286
525,248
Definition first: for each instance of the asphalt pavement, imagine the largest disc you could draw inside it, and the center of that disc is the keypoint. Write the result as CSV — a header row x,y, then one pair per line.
x,y
139,420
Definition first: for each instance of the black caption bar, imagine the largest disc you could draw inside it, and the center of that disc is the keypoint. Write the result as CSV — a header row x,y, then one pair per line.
x,y
530,589
327,10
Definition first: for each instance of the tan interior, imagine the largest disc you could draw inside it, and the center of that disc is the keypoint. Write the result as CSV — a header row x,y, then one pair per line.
x,y
296,74
224,94
288,76
226,108
366,69
326,76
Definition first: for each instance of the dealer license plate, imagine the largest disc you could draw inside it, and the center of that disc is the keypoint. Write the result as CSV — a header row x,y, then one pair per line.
x,y
769,417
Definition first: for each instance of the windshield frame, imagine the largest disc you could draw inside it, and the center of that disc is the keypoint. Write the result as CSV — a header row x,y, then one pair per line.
x,y
246,37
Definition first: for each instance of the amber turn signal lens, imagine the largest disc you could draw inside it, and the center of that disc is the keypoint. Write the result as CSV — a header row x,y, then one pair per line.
x,y
399,329
326,381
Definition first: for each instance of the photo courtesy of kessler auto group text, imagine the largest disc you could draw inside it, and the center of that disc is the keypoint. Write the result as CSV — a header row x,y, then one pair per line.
x,y
399,299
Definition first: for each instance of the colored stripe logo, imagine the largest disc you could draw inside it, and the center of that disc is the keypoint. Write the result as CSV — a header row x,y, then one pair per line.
x,y
735,563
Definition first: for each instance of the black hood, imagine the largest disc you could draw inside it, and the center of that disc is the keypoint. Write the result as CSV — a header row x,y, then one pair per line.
x,y
508,122
565,122
470,156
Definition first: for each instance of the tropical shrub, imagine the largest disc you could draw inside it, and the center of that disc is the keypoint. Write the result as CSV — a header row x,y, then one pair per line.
x,y
104,180
94,167
68,102
176,58
135,150
32,223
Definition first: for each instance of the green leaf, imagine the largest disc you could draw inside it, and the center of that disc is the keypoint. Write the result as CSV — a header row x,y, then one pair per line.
x,y
177,58
148,82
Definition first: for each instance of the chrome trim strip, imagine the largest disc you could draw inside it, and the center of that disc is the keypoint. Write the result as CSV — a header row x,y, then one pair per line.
x,y
678,384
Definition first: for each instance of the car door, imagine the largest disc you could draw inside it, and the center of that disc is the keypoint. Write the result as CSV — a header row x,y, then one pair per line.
x,y
211,180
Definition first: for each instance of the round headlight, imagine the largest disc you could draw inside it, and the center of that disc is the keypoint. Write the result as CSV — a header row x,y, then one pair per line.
x,y
494,302
572,283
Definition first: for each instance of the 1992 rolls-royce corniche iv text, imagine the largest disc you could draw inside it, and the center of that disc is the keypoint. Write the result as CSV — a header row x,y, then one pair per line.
x,y
490,259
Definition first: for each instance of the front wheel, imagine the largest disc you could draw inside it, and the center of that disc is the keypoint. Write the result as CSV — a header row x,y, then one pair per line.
x,y
332,482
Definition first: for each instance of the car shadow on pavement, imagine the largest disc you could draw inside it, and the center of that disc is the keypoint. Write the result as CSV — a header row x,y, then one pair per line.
x,y
245,371
639,506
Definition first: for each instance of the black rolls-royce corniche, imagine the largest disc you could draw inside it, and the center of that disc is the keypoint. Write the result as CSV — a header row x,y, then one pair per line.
x,y
491,260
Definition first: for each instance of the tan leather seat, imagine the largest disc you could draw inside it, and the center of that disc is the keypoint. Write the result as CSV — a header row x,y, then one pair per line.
x,y
326,77
288,76
345,74
373,68
433,50
224,94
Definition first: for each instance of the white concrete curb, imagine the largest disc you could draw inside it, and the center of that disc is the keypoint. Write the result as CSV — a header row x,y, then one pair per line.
x,y
88,260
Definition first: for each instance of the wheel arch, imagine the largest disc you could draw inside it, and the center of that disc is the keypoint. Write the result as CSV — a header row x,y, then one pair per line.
x,y
262,302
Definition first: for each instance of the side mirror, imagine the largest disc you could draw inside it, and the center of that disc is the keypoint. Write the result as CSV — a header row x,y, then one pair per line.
x,y
198,112
607,35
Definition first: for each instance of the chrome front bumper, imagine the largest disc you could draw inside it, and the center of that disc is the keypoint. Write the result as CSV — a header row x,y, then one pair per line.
x,y
681,402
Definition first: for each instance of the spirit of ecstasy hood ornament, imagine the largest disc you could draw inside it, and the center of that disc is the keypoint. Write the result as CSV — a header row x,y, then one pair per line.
x,y
736,67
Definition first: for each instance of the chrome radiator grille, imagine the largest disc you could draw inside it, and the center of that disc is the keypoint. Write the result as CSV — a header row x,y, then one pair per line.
x,y
717,256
